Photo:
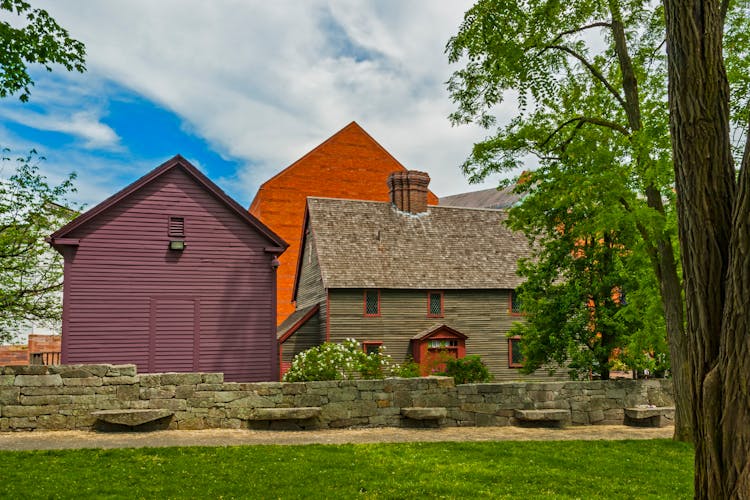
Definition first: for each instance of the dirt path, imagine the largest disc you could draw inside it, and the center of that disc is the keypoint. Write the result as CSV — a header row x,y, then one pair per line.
x,y
46,440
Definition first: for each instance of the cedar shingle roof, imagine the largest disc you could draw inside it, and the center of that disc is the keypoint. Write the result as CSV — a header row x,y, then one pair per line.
x,y
486,198
364,244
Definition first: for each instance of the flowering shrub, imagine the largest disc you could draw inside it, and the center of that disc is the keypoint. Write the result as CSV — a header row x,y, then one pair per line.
x,y
331,361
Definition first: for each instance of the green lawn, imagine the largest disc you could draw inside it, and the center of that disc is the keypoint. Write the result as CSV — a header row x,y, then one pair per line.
x,y
521,470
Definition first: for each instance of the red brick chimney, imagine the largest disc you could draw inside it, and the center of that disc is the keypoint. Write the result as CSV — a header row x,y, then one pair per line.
x,y
408,190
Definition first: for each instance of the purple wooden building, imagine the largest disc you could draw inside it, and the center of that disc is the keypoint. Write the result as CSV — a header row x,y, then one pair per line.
x,y
173,275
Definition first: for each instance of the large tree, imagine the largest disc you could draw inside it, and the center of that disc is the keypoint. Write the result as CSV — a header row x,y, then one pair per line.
x,y
33,38
589,294
714,228
30,272
30,209
580,68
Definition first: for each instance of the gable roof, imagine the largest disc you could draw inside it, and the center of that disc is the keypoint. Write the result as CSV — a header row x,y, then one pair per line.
x,y
351,129
438,328
364,244
349,164
200,179
486,198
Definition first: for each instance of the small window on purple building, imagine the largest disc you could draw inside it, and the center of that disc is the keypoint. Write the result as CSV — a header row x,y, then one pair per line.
x,y
177,226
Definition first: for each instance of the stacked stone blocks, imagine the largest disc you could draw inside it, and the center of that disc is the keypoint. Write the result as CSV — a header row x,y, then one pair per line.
x,y
64,397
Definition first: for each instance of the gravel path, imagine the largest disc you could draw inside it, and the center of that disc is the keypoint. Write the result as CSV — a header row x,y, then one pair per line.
x,y
47,440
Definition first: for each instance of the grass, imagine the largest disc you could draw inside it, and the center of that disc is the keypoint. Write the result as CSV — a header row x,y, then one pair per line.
x,y
562,469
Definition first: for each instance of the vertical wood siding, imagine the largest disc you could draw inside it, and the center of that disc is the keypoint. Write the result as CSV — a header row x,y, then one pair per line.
x,y
482,315
221,284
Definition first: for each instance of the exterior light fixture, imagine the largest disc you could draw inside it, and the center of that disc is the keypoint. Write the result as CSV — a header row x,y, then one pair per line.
x,y
177,245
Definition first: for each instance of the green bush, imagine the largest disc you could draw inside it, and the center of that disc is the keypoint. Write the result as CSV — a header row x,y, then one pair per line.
x,y
467,370
331,361
407,369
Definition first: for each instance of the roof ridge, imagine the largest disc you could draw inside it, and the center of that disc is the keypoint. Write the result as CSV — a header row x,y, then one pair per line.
x,y
199,177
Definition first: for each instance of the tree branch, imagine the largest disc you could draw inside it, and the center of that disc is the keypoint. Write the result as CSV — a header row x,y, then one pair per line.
x,y
601,24
597,74
584,119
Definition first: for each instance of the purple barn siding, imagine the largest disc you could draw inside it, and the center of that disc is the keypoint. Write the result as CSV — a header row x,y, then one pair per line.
x,y
129,299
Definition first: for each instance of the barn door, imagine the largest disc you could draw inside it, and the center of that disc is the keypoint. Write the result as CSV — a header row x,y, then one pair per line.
x,y
174,335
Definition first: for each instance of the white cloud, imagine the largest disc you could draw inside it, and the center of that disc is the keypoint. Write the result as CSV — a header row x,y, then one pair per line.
x,y
83,124
263,82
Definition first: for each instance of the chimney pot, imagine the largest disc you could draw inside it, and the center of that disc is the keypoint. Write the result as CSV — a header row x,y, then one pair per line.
x,y
408,190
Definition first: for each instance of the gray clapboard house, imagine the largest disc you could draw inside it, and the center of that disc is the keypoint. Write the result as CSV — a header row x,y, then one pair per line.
x,y
421,281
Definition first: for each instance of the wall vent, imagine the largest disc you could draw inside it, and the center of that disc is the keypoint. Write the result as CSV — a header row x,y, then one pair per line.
x,y
177,226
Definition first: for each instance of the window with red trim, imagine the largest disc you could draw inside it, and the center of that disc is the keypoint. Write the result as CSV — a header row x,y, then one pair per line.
x,y
515,356
371,346
515,305
434,304
372,303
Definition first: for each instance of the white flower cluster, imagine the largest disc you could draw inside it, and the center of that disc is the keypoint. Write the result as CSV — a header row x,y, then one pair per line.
x,y
331,361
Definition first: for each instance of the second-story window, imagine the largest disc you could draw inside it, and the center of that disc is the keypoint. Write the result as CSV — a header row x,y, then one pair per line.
x,y
515,303
372,303
435,304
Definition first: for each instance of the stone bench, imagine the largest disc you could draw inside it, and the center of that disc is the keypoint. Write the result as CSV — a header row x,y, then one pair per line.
x,y
542,418
132,418
301,413
649,416
424,413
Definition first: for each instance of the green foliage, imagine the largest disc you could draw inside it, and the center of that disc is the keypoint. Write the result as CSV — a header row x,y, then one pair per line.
x,y
587,252
33,38
330,361
407,369
30,271
523,469
592,122
467,370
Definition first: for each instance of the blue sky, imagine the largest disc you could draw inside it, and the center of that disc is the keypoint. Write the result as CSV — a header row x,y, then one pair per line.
x,y
242,89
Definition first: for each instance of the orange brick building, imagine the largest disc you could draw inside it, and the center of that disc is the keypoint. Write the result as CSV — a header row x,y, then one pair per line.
x,y
349,165
40,350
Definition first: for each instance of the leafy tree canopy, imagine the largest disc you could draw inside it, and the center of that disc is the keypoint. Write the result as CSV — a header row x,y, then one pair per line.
x,y
588,77
30,271
33,37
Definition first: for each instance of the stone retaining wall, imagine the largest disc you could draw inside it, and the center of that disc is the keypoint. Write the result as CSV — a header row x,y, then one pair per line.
x,y
63,397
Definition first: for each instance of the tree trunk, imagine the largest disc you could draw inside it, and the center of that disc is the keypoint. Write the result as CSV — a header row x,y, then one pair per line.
x,y
670,289
734,354
663,261
714,238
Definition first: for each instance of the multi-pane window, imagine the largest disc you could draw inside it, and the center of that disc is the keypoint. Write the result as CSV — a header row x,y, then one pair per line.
x,y
515,356
442,344
371,347
435,304
515,303
372,302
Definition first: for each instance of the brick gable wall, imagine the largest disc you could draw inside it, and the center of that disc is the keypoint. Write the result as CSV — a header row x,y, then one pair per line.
x,y
350,165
